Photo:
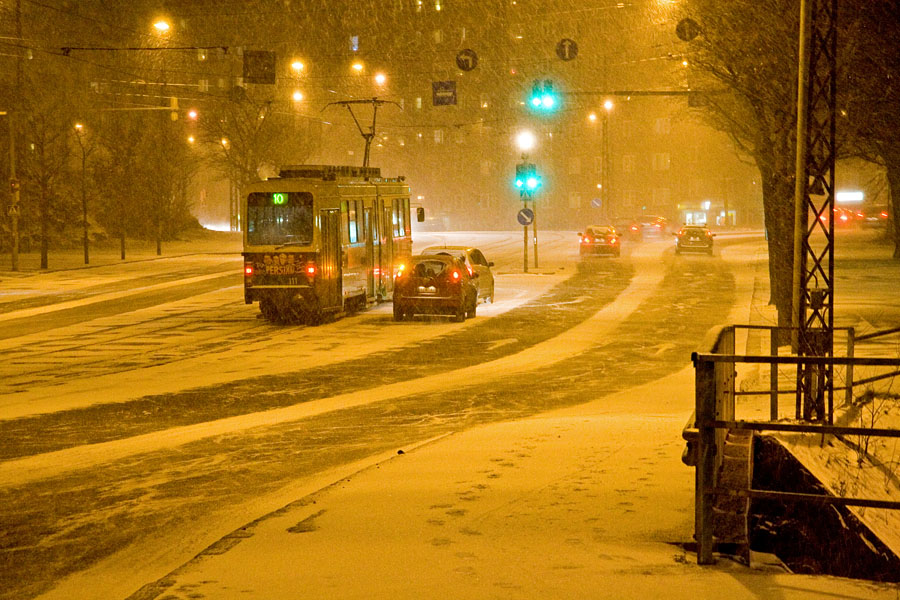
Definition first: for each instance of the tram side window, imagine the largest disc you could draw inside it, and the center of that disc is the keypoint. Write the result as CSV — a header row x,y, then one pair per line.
x,y
406,223
401,227
351,215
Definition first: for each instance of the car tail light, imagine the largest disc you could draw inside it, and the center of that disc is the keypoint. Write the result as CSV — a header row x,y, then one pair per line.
x,y
454,275
709,234
311,269
401,270
248,269
585,240
884,214
634,228
680,232
613,240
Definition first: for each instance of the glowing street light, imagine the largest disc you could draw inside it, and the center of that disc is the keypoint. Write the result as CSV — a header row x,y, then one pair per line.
x,y
297,66
192,115
162,26
525,140
608,105
380,78
592,117
357,66
297,96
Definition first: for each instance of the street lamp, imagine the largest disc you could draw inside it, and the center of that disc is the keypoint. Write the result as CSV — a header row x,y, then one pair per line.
x,y
162,26
380,78
606,171
79,133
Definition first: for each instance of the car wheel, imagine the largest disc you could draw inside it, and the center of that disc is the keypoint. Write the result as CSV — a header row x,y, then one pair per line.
x,y
398,312
470,314
491,297
460,314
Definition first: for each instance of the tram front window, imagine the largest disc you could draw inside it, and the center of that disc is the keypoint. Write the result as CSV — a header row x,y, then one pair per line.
x,y
280,218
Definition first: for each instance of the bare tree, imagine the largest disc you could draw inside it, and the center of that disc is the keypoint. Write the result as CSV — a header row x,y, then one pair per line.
x,y
747,55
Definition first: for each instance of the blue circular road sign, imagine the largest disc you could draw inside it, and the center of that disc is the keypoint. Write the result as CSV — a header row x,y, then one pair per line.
x,y
525,216
596,203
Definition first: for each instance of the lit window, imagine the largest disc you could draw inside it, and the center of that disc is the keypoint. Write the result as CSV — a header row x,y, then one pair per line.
x,y
354,43
419,102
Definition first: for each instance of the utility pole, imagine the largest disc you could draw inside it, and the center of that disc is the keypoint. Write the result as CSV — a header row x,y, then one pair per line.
x,y
813,293
14,184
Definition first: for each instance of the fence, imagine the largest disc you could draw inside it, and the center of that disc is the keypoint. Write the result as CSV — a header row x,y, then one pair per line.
x,y
715,415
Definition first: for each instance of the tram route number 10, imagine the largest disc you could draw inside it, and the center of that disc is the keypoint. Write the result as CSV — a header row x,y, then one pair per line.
x,y
279,198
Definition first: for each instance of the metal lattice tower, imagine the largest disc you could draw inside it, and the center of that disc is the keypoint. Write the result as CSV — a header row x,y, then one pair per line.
x,y
816,218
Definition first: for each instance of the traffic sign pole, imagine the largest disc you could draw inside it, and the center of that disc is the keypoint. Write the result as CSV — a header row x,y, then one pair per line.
x,y
525,240
534,232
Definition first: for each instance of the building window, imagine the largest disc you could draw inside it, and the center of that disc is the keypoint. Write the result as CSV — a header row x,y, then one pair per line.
x,y
574,199
629,197
203,85
354,43
663,126
438,136
661,161
438,36
628,163
419,102
485,101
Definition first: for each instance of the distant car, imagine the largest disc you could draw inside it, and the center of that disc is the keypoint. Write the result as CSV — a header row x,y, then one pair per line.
x,y
475,262
630,229
600,239
694,238
653,226
434,284
876,217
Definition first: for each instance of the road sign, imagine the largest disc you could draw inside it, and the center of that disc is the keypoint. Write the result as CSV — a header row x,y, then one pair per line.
x,y
466,60
596,203
525,217
687,30
13,210
566,49
443,93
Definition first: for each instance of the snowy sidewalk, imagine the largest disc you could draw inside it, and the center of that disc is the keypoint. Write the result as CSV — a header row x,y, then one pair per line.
x,y
588,502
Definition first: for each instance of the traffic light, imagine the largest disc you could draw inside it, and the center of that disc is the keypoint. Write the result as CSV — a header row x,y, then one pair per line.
x,y
527,177
543,97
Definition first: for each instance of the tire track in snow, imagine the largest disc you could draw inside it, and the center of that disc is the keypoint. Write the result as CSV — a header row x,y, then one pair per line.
x,y
568,344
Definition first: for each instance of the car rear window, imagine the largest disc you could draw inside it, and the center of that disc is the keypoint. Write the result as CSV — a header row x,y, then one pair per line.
x,y
429,268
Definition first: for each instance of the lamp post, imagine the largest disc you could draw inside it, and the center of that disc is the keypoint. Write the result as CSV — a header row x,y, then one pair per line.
x,y
605,173
79,132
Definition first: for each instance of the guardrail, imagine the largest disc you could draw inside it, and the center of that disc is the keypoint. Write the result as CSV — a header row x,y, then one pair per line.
x,y
715,414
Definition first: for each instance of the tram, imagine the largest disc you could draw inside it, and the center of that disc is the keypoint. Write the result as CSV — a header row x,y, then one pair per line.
x,y
323,240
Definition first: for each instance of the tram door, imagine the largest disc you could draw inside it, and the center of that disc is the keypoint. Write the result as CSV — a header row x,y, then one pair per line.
x,y
329,283
371,266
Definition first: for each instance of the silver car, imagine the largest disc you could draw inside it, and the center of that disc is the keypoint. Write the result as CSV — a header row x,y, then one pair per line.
x,y
477,264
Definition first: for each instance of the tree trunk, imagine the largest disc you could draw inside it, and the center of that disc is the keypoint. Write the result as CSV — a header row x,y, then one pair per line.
x,y
892,164
778,206
45,228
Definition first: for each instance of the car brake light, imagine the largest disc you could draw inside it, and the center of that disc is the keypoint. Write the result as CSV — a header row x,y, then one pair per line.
x,y
884,215
709,234
454,275
586,240
613,240
248,269
469,269
311,269
400,271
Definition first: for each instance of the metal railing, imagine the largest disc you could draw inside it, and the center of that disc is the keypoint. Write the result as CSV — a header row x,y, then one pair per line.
x,y
715,414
